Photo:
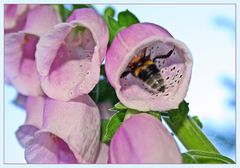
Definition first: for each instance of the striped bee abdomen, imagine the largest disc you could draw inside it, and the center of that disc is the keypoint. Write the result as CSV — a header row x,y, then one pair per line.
x,y
156,82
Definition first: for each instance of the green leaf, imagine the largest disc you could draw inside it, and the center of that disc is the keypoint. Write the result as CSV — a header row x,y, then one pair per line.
x,y
177,116
197,121
103,91
104,123
126,18
79,6
112,126
197,156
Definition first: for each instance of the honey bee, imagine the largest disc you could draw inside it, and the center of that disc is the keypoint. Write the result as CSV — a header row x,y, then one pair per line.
x,y
144,68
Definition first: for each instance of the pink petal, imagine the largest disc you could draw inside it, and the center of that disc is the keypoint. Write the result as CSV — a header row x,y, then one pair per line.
x,y
143,139
20,67
66,50
20,48
41,19
175,71
76,123
25,134
47,148
102,156
34,109
14,17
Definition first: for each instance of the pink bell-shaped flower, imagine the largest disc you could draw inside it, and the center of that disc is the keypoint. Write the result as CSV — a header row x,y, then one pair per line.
x,y
143,139
20,48
149,69
70,55
34,112
15,16
69,134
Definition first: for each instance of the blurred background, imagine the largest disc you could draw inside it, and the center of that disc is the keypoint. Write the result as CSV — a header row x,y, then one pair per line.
x,y
209,32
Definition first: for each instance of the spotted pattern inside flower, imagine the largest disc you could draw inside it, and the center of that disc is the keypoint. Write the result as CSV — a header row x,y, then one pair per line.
x,y
160,74
74,57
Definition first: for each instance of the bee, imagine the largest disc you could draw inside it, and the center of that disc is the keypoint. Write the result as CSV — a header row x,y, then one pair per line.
x,y
143,67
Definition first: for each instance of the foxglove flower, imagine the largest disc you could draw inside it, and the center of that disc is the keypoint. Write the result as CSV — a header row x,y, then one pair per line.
x,y
69,56
34,109
20,47
69,133
15,16
102,157
149,69
143,139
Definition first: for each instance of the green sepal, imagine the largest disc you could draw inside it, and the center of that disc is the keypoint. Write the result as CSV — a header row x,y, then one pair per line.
x,y
109,11
155,114
177,116
112,126
127,18
104,123
119,107
113,27
197,156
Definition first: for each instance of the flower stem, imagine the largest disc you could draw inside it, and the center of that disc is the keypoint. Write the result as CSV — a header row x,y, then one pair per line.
x,y
191,135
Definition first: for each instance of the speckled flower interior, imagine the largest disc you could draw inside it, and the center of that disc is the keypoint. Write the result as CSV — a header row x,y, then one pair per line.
x,y
171,71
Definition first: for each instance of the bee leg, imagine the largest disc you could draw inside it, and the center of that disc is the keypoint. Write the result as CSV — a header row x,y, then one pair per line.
x,y
125,73
164,56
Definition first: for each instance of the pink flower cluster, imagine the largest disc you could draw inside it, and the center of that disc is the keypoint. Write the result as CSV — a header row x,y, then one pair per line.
x,y
56,64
